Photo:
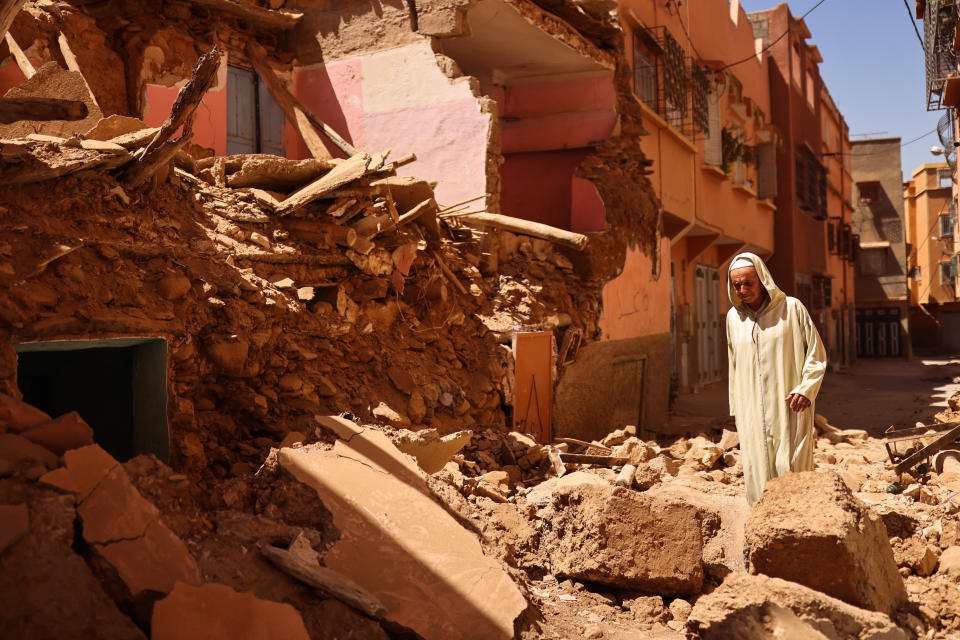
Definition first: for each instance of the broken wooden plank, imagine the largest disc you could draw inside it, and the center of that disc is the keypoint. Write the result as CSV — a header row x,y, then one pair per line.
x,y
280,19
940,443
583,443
8,11
72,65
26,68
38,171
327,582
160,159
526,227
606,461
135,139
297,115
355,167
417,211
37,109
446,271
187,100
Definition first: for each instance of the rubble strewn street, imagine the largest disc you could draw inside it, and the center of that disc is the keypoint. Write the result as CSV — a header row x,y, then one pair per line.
x,y
399,320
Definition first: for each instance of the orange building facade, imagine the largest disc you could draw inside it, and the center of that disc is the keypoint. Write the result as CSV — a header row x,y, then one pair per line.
x,y
932,234
835,302
713,162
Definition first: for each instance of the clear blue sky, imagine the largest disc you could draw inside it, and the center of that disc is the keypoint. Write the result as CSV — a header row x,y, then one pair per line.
x,y
873,67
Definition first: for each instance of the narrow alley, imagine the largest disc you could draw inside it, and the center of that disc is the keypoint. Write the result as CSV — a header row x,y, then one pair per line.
x,y
428,320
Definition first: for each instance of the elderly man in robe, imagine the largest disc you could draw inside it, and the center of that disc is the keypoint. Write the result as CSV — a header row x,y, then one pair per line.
x,y
777,363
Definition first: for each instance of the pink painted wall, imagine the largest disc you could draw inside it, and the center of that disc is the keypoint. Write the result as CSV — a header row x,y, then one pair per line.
x,y
400,100
547,129
209,122
634,304
10,75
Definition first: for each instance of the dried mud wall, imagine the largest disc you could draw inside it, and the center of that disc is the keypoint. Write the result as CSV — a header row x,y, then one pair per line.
x,y
248,362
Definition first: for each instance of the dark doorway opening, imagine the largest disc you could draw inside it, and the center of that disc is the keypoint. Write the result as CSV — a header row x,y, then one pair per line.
x,y
118,386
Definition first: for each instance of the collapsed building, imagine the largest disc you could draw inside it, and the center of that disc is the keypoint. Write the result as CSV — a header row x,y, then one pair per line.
x,y
253,228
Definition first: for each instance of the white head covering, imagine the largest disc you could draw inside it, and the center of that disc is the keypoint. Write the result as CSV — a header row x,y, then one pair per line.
x,y
741,263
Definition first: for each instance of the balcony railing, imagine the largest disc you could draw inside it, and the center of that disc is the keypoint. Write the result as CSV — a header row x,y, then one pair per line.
x,y
939,25
947,138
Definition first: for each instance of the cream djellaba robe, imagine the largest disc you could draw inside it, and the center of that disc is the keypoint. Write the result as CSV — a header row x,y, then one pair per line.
x,y
771,354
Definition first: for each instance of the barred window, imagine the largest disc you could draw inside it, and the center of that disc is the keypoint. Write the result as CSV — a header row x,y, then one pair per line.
x,y
644,72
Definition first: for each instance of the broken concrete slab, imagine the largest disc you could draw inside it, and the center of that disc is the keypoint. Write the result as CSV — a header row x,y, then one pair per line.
x,y
217,612
125,530
591,533
84,469
48,590
14,523
809,528
52,81
542,493
430,449
764,608
274,173
69,431
114,126
19,416
19,454
153,562
115,510
400,544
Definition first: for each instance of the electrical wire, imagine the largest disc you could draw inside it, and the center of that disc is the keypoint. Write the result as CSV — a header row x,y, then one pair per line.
x,y
914,23
779,38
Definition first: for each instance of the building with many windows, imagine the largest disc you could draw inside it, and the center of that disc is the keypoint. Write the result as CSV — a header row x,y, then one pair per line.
x,y
932,236
880,246
705,103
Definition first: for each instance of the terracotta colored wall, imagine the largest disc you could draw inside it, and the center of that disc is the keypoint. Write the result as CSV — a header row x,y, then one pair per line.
x,y
634,304
209,123
537,185
547,129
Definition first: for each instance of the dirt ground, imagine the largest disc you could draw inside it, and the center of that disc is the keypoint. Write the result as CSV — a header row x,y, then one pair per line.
x,y
872,395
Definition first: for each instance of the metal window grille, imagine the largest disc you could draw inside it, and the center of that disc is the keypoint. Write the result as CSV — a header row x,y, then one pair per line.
x,y
832,237
699,90
946,227
675,80
645,73
801,178
820,211
947,139
939,24
946,273
813,182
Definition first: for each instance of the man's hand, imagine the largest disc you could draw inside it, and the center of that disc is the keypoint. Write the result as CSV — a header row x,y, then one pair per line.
x,y
797,402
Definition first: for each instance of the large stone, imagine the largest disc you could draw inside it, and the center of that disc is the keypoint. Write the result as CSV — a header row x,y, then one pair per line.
x,y
69,431
625,539
217,612
763,608
84,469
809,528
47,590
431,450
18,416
152,562
400,544
53,81
541,494
18,454
125,530
228,355
950,562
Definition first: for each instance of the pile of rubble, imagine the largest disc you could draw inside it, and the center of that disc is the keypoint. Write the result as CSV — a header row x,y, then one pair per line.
x,y
355,535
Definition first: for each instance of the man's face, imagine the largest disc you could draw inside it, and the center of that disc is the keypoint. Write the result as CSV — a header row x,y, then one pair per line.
x,y
746,283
